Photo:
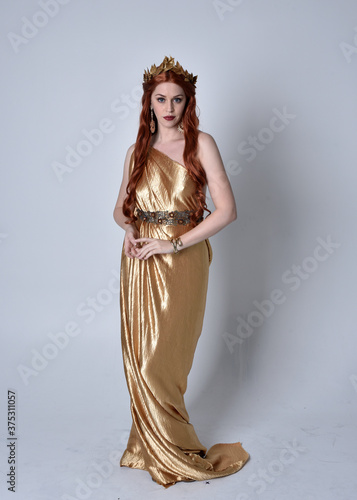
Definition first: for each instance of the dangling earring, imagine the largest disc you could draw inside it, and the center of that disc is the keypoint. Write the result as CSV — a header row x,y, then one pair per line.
x,y
152,122
180,127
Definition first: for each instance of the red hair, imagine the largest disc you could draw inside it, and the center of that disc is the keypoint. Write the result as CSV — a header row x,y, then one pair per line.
x,y
190,127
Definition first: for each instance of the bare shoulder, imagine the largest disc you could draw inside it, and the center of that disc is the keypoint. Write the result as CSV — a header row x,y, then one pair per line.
x,y
129,155
206,141
128,163
208,152
130,150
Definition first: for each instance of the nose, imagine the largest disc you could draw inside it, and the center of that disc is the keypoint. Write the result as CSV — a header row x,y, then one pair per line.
x,y
170,106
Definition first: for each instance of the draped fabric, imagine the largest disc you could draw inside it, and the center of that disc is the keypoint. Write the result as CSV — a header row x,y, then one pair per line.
x,y
162,303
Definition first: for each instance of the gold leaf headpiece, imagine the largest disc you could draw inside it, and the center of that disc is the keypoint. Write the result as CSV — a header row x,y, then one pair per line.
x,y
169,64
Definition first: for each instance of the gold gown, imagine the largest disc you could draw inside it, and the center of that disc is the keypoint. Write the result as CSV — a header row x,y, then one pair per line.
x,y
162,303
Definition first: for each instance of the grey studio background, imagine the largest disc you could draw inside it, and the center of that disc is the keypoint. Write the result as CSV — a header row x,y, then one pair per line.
x,y
275,366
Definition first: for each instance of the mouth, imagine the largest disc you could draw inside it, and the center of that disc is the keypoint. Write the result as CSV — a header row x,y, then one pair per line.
x,y
169,118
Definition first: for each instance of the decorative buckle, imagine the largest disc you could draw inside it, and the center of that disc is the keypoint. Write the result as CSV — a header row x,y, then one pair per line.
x,y
167,218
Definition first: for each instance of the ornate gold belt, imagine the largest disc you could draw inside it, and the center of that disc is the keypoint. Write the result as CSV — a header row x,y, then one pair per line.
x,y
167,218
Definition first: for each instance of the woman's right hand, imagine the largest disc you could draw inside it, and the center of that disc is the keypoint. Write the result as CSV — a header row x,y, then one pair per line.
x,y
130,248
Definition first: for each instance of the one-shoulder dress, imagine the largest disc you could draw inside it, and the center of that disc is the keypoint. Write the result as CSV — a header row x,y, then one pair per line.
x,y
162,304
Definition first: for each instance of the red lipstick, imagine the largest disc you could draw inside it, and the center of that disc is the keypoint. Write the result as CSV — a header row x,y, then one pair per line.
x,y
169,118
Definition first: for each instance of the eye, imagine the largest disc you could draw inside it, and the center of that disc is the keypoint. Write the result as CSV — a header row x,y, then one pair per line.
x,y
178,99
160,99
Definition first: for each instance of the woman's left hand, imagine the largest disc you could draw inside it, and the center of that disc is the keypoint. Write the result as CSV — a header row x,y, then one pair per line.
x,y
153,246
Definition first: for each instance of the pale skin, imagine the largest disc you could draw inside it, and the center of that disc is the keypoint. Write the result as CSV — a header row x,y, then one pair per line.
x,y
169,99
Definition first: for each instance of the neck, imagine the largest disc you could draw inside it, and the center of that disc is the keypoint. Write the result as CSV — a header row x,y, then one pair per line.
x,y
167,135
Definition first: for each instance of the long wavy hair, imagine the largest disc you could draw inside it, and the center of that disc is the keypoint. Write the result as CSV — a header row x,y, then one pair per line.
x,y
190,129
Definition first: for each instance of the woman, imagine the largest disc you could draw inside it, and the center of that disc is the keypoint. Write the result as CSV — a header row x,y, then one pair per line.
x,y
164,275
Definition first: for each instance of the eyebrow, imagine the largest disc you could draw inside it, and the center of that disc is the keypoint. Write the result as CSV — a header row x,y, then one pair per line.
x,y
163,95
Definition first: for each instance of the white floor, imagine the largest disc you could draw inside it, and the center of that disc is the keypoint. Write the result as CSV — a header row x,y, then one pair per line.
x,y
65,450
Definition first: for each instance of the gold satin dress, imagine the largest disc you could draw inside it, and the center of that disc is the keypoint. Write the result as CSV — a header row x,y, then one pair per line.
x,y
162,304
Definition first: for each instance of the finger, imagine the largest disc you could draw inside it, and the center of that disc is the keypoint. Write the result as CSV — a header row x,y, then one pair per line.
x,y
142,247
142,255
143,240
131,251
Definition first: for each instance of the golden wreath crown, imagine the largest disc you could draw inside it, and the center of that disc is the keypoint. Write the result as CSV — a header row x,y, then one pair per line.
x,y
168,64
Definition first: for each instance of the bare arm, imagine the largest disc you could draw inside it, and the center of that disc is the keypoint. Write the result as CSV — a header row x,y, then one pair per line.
x,y
222,196
130,229
118,215
220,190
